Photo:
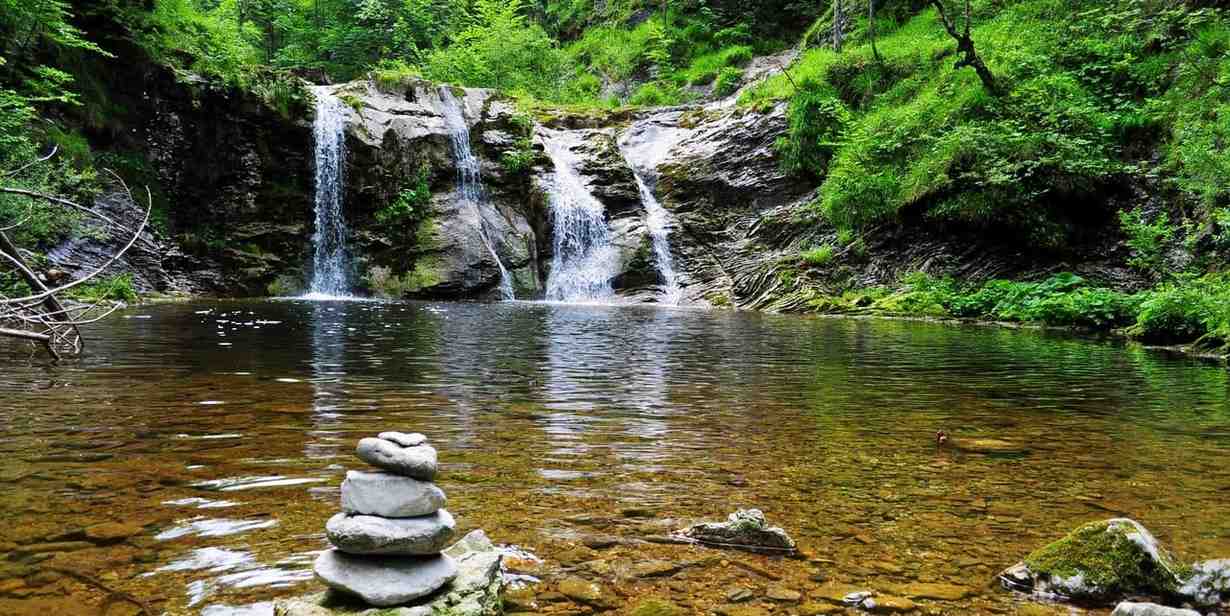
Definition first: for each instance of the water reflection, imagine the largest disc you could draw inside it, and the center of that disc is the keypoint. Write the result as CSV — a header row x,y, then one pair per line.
x,y
217,433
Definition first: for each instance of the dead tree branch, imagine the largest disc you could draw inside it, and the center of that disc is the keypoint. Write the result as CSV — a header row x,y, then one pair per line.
x,y
965,46
40,316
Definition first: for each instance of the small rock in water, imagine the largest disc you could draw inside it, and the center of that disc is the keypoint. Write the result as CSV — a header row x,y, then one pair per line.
x,y
389,496
1208,583
745,529
419,462
366,534
1150,609
856,598
413,439
384,581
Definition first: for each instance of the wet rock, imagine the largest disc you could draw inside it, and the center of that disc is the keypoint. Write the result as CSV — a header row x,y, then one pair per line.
x,y
1208,582
893,605
935,591
418,462
384,581
654,569
111,532
600,542
365,534
745,529
657,607
739,594
856,598
413,439
1127,608
817,609
740,610
586,592
1099,562
389,496
783,594
475,591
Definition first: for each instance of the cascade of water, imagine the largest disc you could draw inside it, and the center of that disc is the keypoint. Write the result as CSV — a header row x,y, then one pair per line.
x,y
658,221
649,151
469,178
585,260
331,261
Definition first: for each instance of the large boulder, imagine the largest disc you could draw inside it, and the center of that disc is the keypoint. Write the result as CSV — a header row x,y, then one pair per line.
x,y
1101,562
475,591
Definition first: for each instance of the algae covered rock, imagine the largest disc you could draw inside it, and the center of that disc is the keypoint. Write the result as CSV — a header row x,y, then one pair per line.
x,y
745,529
1101,562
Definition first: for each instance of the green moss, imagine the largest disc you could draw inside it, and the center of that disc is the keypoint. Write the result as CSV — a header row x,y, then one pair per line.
x,y
1105,557
656,607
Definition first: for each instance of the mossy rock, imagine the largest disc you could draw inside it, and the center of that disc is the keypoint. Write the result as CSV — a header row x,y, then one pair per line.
x,y
657,607
1101,562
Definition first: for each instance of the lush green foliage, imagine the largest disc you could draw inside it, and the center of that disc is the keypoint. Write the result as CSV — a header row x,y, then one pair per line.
x,y
115,288
411,204
1085,82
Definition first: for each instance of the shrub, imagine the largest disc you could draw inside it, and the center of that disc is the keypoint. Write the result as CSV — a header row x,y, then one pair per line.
x,y
816,124
1148,241
410,205
1188,310
728,81
818,257
117,288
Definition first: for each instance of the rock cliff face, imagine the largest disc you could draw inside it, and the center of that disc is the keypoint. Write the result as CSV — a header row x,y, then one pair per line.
x,y
240,182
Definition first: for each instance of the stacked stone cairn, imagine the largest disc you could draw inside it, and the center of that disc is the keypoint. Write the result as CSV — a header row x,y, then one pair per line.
x,y
387,542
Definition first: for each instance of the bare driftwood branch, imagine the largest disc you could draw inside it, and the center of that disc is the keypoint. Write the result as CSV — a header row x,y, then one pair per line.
x,y
40,317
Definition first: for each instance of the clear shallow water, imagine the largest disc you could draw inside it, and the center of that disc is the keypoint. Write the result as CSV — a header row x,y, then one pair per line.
x,y
216,434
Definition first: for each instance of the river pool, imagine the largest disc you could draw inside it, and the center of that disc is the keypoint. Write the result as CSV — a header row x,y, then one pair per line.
x,y
190,460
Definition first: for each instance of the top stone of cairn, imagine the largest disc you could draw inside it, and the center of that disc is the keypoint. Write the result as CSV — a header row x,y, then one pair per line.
x,y
407,455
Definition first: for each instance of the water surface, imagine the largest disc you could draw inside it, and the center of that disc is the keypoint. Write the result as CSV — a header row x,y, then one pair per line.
x,y
213,437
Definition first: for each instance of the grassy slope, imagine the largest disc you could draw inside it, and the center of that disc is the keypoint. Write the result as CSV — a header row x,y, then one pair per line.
x,y
1098,97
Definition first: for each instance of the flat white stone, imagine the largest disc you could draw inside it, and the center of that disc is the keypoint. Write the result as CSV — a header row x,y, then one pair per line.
x,y
385,581
1128,608
389,496
369,534
412,439
418,462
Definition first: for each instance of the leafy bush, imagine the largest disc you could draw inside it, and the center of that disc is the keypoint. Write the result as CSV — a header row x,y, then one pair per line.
x,y
117,288
1148,241
728,81
816,124
818,257
1188,310
395,73
411,204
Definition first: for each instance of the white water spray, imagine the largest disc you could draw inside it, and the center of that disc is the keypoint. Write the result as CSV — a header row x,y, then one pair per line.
x,y
469,178
585,261
657,219
331,260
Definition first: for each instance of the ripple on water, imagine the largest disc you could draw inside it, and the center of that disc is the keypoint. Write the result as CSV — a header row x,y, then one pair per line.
x,y
213,527
235,484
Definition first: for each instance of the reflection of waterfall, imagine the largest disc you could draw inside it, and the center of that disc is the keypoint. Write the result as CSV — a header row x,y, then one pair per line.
x,y
657,219
585,260
469,178
328,322
330,263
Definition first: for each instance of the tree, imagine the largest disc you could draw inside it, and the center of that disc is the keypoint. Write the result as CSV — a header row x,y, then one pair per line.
x,y
38,315
871,29
839,25
965,46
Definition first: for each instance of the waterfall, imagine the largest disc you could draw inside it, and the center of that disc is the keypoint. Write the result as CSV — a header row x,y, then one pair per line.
x,y
585,261
642,143
331,261
469,178
658,221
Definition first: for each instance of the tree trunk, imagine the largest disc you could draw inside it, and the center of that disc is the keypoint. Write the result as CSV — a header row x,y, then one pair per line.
x,y
839,18
965,47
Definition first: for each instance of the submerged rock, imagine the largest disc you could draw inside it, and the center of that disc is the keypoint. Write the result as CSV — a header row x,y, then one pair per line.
x,y
365,534
384,581
417,462
475,591
1128,608
1100,562
1208,583
389,496
745,529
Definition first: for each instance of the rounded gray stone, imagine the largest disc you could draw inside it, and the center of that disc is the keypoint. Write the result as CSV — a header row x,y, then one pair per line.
x,y
412,439
389,496
368,534
385,581
418,462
